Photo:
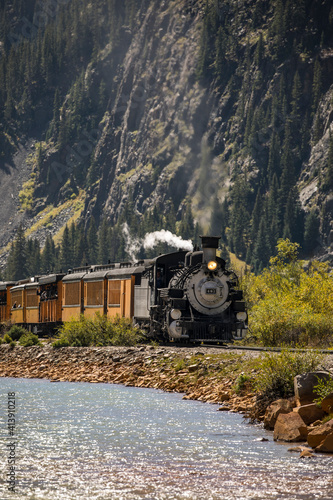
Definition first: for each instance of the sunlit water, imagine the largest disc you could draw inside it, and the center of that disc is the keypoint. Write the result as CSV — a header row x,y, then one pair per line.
x,y
102,441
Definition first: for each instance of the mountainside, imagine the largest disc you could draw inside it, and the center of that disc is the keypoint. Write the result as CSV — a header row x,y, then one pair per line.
x,y
151,111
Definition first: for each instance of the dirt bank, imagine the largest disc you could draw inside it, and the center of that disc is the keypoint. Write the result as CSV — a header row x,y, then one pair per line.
x,y
200,375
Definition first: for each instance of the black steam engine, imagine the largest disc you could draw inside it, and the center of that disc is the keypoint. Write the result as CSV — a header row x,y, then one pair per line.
x,y
194,298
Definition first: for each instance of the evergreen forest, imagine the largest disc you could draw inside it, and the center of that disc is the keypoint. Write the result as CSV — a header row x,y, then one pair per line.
x,y
208,116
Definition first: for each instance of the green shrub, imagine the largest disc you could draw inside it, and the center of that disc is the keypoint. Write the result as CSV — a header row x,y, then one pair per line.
x,y
29,339
275,378
289,305
17,331
241,382
323,389
62,342
7,339
98,331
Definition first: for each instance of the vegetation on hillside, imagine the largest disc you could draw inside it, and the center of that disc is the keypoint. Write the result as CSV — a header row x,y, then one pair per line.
x,y
279,74
266,65
93,246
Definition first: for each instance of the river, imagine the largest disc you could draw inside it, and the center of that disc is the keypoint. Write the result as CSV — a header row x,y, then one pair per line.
x,y
104,441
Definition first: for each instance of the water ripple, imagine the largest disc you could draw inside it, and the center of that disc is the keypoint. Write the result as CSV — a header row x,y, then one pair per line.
x,y
101,441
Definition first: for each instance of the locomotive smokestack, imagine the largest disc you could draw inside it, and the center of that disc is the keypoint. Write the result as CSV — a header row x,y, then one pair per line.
x,y
209,247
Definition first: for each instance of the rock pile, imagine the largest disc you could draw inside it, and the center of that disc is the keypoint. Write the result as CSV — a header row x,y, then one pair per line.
x,y
300,419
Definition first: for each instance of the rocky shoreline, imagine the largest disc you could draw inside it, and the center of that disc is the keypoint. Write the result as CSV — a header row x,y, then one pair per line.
x,y
207,376
192,371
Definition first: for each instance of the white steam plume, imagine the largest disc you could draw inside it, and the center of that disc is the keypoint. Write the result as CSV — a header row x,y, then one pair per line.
x,y
133,244
150,240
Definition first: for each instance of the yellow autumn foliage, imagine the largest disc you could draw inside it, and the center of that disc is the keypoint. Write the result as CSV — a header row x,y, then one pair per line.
x,y
288,304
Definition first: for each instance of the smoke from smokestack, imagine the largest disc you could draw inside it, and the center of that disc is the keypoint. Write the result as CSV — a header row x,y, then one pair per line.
x,y
150,240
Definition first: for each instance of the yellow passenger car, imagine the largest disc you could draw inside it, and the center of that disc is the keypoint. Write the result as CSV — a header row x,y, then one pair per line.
x,y
17,304
31,300
120,290
5,287
50,291
95,290
73,294
24,301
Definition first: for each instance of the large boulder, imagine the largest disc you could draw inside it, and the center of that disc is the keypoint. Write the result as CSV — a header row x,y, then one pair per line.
x,y
319,433
304,385
275,409
327,403
290,427
309,413
326,446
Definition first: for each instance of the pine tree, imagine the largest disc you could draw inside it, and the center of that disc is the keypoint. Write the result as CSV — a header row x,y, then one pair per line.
x,y
278,27
220,55
225,217
56,114
293,218
316,86
20,255
311,232
65,260
256,217
262,250
48,258
203,60
273,167
296,103
288,170
273,215
92,242
103,250
10,267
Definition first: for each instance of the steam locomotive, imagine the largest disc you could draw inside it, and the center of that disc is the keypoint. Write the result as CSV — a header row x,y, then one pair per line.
x,y
179,296
201,301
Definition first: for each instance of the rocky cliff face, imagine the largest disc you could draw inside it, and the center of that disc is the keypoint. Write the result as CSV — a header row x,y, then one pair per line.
x,y
151,140
169,137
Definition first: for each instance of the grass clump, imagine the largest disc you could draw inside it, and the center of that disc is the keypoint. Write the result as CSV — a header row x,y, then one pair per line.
x,y
180,365
241,383
7,339
98,331
29,339
275,378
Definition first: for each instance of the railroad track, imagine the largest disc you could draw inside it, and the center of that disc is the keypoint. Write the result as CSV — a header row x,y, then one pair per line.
x,y
245,348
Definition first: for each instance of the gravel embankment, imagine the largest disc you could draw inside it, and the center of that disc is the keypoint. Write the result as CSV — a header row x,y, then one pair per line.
x,y
201,374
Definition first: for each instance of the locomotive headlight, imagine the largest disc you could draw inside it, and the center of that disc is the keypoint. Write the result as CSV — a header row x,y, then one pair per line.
x,y
241,316
212,265
175,313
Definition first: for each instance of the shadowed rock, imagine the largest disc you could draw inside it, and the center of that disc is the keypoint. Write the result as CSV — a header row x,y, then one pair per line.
x,y
280,406
290,427
318,435
310,413
304,386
